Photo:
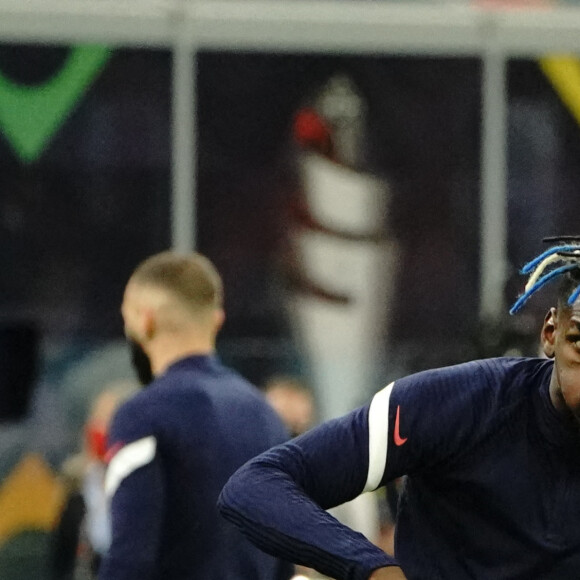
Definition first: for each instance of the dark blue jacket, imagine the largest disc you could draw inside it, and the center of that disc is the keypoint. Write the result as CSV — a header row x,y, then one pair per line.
x,y
492,488
173,447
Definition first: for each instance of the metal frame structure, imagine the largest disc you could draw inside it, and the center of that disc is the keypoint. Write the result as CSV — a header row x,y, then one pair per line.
x,y
318,26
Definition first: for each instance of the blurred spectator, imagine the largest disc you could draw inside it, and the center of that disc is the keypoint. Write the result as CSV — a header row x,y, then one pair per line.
x,y
83,534
293,401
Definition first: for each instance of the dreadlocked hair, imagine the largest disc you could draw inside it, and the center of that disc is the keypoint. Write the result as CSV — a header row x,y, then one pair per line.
x,y
562,261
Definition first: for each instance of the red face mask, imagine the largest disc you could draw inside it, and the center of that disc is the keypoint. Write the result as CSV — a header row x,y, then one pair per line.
x,y
96,440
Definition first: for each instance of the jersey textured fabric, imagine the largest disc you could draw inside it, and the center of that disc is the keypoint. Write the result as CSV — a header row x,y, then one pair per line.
x,y
174,445
492,487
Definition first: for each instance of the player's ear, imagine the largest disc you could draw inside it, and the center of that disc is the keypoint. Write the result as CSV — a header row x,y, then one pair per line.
x,y
219,318
548,336
149,323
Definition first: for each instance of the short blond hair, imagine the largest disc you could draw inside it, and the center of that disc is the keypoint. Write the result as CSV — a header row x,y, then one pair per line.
x,y
191,277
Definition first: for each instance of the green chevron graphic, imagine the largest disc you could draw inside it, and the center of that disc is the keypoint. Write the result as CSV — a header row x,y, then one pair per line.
x,y
30,116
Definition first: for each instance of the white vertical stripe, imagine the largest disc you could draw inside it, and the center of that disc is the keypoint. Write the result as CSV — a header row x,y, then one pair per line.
x,y
127,460
378,437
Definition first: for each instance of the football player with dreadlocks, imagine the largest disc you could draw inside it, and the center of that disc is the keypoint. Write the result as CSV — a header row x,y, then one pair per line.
x,y
490,448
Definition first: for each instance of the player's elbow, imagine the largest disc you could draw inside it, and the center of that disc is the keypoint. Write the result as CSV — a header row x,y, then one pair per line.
x,y
224,499
234,494
248,489
252,490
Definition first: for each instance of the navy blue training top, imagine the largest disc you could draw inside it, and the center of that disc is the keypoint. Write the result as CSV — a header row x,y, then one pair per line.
x,y
173,447
492,488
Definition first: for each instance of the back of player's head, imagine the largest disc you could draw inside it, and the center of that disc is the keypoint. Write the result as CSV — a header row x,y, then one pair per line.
x,y
191,278
561,262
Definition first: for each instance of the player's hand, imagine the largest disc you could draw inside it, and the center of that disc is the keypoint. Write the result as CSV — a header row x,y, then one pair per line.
x,y
389,573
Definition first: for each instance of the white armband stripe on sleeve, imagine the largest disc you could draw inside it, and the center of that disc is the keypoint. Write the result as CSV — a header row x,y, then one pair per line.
x,y
378,437
128,459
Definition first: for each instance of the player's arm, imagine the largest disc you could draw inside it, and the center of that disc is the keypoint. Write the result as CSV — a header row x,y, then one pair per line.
x,y
279,499
134,485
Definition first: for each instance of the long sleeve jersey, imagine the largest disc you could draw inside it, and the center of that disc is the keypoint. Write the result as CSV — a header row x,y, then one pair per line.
x,y
492,480
173,447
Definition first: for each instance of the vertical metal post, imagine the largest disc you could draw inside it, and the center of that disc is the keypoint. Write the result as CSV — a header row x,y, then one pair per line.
x,y
184,153
493,264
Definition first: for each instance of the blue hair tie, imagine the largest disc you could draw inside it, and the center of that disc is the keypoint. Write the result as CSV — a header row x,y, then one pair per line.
x,y
573,296
531,265
545,279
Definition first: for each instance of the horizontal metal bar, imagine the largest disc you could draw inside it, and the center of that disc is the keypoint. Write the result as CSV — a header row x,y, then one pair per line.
x,y
118,23
321,26
351,27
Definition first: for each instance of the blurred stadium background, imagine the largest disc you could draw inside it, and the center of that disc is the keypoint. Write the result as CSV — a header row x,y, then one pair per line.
x,y
127,127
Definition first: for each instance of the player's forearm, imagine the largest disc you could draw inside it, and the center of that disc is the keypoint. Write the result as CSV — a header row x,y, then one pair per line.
x,y
274,512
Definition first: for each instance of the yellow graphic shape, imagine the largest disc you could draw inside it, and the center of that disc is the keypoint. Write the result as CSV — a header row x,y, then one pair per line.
x,y
31,498
563,72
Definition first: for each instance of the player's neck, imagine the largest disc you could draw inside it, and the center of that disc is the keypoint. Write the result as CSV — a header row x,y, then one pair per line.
x,y
171,349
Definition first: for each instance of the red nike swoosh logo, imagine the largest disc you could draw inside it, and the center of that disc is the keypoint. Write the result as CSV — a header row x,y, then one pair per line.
x,y
396,435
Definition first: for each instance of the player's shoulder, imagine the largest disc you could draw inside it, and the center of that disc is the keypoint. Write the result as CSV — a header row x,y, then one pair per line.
x,y
482,377
512,372
133,409
516,376
200,391
132,420
516,365
464,402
